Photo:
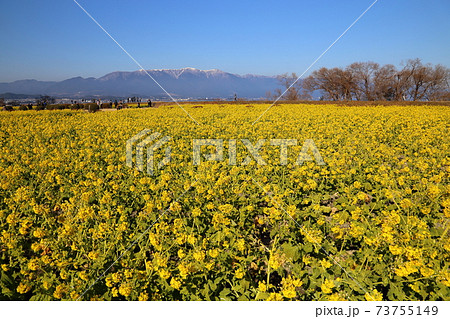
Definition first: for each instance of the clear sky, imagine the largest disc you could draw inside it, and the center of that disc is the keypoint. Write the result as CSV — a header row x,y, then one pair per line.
x,y
55,39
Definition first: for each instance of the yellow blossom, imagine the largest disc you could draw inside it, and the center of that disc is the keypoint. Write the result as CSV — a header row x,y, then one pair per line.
x,y
325,263
240,245
275,297
395,250
23,288
239,273
213,252
125,289
199,256
196,212
373,296
262,286
143,296
164,273
327,286
33,264
175,283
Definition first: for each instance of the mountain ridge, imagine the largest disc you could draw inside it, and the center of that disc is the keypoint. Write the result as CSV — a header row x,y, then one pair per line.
x,y
181,83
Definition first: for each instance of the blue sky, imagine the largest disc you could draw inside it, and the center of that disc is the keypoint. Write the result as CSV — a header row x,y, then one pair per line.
x,y
55,39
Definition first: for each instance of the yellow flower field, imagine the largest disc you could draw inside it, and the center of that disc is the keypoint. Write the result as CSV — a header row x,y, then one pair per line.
x,y
371,224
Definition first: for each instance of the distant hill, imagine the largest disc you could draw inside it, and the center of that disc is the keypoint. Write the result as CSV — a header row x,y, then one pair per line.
x,y
181,83
13,96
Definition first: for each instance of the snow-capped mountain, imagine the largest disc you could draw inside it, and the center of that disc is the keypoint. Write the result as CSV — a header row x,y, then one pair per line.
x,y
181,83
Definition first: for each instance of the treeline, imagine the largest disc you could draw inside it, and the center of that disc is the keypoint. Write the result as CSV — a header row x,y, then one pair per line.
x,y
368,81
90,107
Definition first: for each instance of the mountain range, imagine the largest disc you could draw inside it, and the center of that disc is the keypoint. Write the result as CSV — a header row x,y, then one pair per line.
x,y
180,83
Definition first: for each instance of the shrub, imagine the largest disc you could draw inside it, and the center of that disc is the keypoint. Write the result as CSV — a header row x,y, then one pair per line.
x,y
58,106
76,106
106,105
91,107
8,108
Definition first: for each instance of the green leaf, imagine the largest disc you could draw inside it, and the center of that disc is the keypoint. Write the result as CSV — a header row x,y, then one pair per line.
x,y
292,252
308,247
243,298
224,293
262,296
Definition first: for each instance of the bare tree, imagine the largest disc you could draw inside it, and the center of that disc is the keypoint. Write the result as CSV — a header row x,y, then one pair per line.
x,y
295,90
438,87
363,74
44,100
417,81
368,81
420,79
336,84
346,83
323,80
384,82
428,82
404,79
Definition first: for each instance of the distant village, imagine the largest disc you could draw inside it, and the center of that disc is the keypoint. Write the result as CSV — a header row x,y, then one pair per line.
x,y
43,102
